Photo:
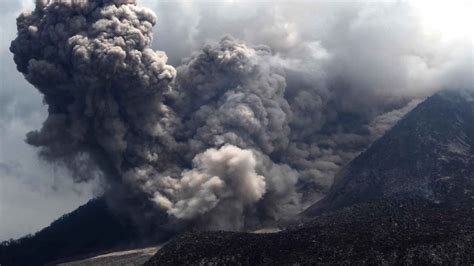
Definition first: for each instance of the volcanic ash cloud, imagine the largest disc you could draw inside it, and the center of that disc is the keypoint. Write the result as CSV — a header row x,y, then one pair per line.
x,y
198,145
234,137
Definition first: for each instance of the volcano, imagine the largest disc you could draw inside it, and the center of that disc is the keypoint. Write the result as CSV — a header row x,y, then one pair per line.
x,y
409,198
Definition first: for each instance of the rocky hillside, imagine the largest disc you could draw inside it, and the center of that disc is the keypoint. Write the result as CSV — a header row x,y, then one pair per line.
x,y
394,232
429,153
89,229
407,199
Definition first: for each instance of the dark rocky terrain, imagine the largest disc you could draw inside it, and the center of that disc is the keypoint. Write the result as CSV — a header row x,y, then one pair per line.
x,y
408,199
394,232
429,153
89,229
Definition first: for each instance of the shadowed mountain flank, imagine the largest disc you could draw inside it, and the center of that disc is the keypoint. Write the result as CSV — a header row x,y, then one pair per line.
x,y
90,229
429,153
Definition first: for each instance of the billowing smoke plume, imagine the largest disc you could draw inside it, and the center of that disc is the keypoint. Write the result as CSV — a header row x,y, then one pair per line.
x,y
236,136
352,69
199,149
102,82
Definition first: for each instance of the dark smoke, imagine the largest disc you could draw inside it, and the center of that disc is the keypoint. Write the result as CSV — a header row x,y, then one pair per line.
x,y
236,136
102,83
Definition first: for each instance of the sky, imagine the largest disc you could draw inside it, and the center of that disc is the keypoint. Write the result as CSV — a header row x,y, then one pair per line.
x,y
33,192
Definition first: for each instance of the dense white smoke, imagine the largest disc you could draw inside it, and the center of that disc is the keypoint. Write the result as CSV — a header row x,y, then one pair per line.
x,y
217,174
236,135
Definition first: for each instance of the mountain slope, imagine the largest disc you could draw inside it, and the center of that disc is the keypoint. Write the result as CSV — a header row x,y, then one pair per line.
x,y
90,228
429,153
407,200
387,232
